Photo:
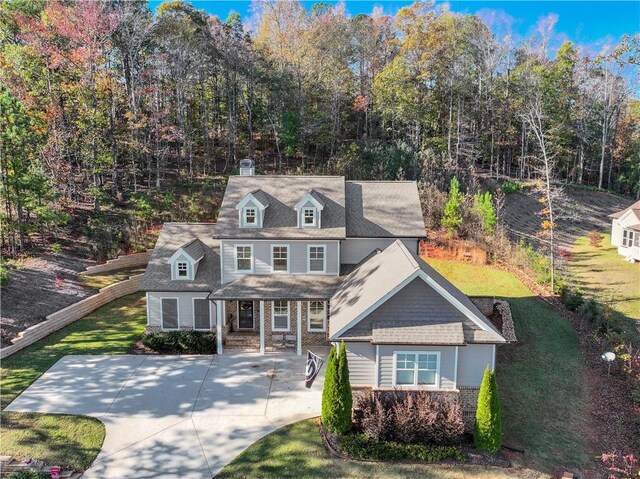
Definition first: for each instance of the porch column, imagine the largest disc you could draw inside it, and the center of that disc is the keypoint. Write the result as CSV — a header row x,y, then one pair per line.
x,y
261,327
299,326
219,319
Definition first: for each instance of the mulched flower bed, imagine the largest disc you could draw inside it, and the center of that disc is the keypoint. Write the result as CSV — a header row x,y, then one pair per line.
x,y
472,456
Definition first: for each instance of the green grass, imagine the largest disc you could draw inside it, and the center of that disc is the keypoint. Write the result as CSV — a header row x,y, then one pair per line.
x,y
603,273
297,451
541,378
542,386
71,441
98,281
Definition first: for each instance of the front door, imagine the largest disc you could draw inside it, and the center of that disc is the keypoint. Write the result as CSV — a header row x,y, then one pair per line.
x,y
245,314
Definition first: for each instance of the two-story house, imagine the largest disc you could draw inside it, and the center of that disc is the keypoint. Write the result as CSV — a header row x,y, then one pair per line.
x,y
302,261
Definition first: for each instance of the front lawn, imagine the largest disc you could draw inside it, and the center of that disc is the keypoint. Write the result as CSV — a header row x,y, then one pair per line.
x,y
72,441
542,379
297,451
542,385
603,273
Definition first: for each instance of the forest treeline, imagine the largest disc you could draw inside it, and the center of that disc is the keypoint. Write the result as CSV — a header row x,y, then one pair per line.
x,y
103,101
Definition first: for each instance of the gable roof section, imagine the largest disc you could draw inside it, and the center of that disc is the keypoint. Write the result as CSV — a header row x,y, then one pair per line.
x,y
383,276
259,198
194,249
313,197
384,209
193,237
282,194
634,208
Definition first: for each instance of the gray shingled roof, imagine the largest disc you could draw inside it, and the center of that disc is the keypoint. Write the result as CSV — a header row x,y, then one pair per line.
x,y
268,287
282,194
417,332
195,249
393,269
157,276
383,209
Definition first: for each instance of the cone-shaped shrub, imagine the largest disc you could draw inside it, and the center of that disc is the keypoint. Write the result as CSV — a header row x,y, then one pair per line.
x,y
487,433
344,391
330,393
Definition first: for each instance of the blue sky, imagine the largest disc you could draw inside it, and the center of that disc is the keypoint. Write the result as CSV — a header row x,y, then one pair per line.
x,y
587,22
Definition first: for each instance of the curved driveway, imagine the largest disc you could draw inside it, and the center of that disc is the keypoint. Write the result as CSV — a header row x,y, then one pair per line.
x,y
175,416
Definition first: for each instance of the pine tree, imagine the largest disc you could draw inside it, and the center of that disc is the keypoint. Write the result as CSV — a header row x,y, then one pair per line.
x,y
330,393
487,433
344,390
483,204
452,215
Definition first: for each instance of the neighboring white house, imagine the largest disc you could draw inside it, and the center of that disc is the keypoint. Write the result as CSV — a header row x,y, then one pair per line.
x,y
625,232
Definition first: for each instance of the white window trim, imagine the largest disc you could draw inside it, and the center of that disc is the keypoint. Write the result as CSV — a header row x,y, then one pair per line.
x,y
245,224
193,314
235,255
273,317
324,319
324,259
178,263
629,239
288,258
315,217
177,313
415,384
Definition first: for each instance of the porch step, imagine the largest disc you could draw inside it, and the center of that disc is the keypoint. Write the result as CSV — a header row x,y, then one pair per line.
x,y
242,341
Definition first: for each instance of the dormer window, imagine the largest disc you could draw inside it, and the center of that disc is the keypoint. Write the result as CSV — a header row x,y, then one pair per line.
x,y
309,216
183,269
250,216
309,210
251,209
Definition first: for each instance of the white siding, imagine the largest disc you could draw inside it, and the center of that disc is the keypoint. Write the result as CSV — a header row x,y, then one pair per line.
x,y
354,250
472,361
262,257
447,364
185,308
362,363
616,233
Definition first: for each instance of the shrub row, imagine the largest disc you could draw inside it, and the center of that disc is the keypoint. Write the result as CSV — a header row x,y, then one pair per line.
x,y
181,342
410,417
601,315
360,446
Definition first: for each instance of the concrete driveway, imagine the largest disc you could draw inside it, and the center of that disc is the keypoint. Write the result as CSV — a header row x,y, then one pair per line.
x,y
175,416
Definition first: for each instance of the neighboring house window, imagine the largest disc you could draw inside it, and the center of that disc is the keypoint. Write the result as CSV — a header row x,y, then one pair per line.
x,y
280,316
628,237
169,313
316,259
244,258
183,270
417,369
250,216
309,216
280,258
201,314
317,315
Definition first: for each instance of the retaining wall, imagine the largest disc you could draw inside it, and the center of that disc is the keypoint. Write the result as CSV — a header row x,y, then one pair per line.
x,y
121,262
68,315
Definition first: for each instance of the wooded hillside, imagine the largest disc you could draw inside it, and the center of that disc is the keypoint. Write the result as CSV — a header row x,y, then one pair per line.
x,y
104,104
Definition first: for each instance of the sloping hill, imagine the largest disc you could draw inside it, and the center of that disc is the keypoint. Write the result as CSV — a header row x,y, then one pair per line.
x,y
588,209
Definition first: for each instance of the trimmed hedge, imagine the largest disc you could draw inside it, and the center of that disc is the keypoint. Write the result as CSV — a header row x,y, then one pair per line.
x,y
27,474
181,342
360,446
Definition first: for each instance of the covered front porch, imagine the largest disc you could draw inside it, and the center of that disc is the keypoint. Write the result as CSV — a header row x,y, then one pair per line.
x,y
267,313
269,325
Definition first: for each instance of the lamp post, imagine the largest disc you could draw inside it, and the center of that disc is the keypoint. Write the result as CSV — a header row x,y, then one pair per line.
x,y
608,357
